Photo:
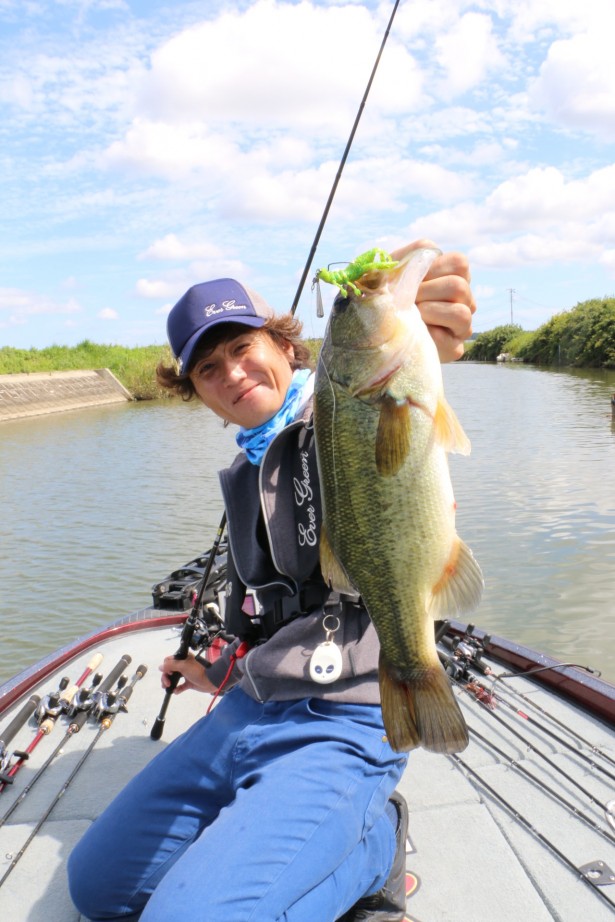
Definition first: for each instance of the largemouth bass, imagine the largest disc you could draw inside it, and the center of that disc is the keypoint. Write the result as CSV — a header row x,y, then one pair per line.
x,y
383,429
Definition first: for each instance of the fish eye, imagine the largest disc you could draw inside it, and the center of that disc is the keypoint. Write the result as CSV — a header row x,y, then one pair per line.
x,y
340,304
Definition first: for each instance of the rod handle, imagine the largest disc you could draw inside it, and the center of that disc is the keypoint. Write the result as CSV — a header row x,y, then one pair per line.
x,y
18,721
114,675
158,725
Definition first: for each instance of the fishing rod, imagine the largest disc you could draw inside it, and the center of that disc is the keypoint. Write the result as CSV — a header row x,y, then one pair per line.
x,y
461,677
531,721
458,668
587,873
188,632
47,713
74,726
467,652
501,677
555,795
114,703
9,732
474,691
338,176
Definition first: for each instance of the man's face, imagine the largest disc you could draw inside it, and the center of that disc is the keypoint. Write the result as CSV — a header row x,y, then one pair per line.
x,y
244,379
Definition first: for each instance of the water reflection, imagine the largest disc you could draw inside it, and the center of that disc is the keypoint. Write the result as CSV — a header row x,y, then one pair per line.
x,y
537,504
98,505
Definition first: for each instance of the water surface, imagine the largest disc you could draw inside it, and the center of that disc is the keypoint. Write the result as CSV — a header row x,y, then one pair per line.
x,y
99,504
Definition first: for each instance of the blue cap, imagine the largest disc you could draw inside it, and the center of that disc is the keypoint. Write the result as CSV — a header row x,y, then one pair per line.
x,y
206,305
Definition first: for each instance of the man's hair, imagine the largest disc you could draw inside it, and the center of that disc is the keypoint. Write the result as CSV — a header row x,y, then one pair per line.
x,y
283,329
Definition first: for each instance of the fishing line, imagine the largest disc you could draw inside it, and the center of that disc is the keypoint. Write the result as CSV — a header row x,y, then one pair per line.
x,y
474,776
322,365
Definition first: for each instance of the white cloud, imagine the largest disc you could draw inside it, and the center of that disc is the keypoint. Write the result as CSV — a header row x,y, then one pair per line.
x,y
170,247
529,249
576,85
193,75
467,52
200,111
540,216
156,288
108,313
17,306
484,291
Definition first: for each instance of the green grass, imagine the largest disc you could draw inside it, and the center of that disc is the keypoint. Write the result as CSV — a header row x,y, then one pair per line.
x,y
135,368
583,337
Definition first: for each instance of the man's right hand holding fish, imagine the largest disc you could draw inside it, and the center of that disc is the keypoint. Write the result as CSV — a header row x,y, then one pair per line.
x,y
445,300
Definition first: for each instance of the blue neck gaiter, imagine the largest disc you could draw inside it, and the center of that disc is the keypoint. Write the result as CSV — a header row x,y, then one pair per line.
x,y
256,441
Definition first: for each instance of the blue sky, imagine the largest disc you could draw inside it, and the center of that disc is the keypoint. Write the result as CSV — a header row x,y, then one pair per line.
x,y
148,145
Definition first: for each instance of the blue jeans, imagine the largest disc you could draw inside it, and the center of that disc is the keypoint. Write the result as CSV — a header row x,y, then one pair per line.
x,y
259,812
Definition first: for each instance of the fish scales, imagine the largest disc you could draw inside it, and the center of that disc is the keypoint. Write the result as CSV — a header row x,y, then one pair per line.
x,y
389,525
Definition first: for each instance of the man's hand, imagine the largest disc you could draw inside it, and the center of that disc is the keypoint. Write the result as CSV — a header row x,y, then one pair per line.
x,y
445,300
193,675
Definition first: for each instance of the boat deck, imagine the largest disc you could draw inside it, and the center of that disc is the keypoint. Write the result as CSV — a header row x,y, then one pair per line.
x,y
469,859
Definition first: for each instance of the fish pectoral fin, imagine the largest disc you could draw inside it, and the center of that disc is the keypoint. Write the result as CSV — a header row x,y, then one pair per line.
x,y
448,431
332,571
459,589
393,436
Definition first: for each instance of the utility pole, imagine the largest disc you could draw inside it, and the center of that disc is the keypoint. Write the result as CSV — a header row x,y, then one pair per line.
x,y
512,292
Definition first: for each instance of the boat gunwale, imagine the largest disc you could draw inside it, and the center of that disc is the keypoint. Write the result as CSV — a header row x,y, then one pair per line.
x,y
592,693
595,695
143,619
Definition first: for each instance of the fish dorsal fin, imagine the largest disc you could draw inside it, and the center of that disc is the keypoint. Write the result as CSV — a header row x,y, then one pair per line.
x,y
393,436
459,589
448,431
332,571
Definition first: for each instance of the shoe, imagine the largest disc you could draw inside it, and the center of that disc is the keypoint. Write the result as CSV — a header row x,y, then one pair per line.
x,y
389,903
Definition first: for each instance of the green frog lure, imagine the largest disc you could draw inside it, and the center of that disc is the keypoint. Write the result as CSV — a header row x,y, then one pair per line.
x,y
344,279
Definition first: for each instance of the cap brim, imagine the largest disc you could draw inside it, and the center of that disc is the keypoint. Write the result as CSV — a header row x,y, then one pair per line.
x,y
185,355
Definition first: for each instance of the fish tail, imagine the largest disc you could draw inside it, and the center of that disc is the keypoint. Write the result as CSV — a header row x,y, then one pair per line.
x,y
422,712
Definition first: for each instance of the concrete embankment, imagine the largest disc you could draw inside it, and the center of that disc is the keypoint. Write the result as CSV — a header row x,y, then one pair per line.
x,y
41,393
